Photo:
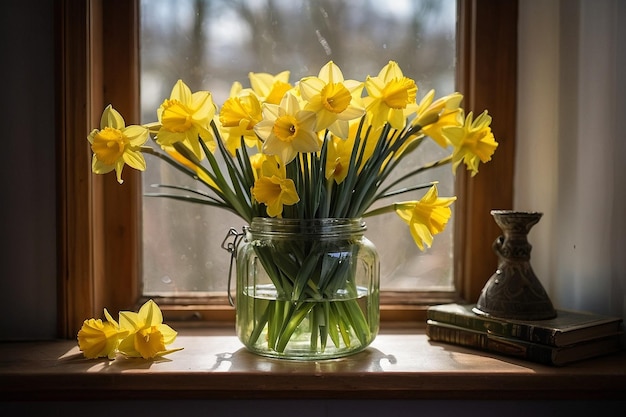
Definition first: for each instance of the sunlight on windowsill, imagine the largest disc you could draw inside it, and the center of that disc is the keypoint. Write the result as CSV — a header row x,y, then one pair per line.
x,y
214,364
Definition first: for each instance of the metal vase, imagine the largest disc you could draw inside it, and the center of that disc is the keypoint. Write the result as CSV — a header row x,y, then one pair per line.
x,y
514,291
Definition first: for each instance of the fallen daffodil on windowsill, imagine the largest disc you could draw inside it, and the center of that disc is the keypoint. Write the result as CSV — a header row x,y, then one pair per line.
x,y
142,334
322,148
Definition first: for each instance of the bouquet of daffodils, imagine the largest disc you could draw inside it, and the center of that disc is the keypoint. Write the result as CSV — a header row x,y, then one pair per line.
x,y
321,148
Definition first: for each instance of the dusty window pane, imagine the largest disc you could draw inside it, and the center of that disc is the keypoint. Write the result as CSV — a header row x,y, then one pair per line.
x,y
212,43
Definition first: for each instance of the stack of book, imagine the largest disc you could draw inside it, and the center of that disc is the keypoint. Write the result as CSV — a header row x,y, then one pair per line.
x,y
569,337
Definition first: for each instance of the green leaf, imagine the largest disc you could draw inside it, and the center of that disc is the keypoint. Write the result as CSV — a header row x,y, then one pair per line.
x,y
333,325
305,273
290,326
357,320
260,324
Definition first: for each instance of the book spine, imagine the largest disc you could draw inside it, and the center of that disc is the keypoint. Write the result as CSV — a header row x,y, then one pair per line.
x,y
481,341
481,324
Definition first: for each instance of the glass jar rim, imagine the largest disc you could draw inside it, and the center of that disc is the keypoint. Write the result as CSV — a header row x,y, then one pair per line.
x,y
329,226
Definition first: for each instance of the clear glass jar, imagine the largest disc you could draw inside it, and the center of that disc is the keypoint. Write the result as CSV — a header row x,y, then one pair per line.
x,y
307,289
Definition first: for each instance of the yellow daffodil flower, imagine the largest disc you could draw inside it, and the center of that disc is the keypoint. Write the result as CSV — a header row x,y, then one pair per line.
x,y
473,142
116,144
432,116
338,159
391,96
274,189
148,335
333,99
184,117
426,217
98,339
270,88
287,130
257,160
339,152
238,116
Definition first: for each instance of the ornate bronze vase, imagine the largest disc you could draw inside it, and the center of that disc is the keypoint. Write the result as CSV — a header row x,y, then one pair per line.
x,y
514,291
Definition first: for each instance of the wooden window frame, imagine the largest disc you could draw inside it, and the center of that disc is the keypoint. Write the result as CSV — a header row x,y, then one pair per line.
x,y
99,224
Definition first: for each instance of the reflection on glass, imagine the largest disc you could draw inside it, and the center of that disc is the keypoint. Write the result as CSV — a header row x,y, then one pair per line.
x,y
212,43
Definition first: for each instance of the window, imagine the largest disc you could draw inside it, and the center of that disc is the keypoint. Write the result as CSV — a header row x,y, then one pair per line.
x,y
100,227
212,43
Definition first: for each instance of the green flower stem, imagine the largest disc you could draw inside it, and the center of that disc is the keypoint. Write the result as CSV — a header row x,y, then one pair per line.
x,y
189,199
356,319
328,320
218,185
369,178
230,196
341,323
328,198
237,198
244,163
333,323
319,178
282,277
210,200
308,282
345,189
274,322
258,327
150,151
390,208
443,161
322,319
407,189
304,272
296,314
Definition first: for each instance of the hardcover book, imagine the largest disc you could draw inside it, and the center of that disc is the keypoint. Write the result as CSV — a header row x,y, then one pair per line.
x,y
535,352
567,328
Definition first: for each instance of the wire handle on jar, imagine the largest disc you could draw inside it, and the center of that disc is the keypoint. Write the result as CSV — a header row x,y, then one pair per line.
x,y
231,246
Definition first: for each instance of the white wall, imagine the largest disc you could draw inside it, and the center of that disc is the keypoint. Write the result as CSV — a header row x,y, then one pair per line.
x,y
570,151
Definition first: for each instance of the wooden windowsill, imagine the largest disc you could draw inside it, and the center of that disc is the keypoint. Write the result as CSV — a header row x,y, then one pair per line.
x,y
214,364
